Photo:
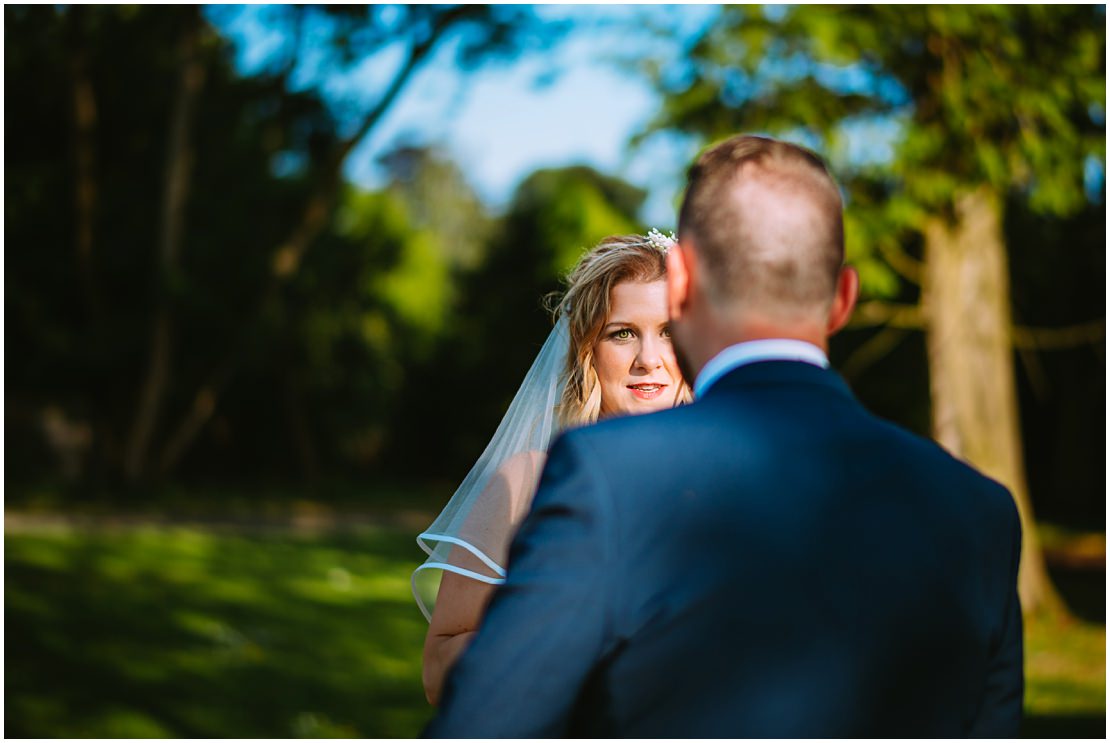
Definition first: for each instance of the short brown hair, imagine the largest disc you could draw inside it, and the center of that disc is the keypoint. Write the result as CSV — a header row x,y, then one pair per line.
x,y
586,305
780,270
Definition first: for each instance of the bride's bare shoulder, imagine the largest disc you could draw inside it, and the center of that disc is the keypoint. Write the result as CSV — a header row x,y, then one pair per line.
x,y
518,477
524,463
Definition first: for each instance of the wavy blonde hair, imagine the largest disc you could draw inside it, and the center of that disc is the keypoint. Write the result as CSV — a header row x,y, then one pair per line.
x,y
585,304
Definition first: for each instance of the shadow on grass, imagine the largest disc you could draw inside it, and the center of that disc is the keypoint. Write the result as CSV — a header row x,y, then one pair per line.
x,y
183,633
1083,590
1064,726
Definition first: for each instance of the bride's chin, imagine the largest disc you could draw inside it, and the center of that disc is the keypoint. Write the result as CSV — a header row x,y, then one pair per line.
x,y
636,406
648,406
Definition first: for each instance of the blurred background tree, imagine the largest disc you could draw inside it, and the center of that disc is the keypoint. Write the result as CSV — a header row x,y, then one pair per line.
x,y
131,323
935,119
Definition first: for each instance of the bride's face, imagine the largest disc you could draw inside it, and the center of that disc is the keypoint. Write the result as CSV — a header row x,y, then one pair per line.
x,y
634,360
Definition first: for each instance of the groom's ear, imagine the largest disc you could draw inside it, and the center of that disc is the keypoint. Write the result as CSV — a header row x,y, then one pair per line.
x,y
678,281
847,292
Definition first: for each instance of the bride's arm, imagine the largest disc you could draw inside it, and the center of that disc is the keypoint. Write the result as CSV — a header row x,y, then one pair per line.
x,y
461,601
458,611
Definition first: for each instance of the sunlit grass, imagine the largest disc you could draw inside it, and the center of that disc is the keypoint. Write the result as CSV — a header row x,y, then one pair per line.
x,y
1066,669
188,632
178,632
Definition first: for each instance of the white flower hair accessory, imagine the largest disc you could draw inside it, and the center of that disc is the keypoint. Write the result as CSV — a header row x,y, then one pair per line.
x,y
660,241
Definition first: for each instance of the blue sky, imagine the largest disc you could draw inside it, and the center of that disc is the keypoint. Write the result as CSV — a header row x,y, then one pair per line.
x,y
497,123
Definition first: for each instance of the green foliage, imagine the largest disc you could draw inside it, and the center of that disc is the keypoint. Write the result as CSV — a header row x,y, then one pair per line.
x,y
865,233
1009,96
440,200
569,211
416,288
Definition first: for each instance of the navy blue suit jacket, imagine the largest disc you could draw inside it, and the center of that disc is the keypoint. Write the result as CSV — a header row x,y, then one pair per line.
x,y
768,561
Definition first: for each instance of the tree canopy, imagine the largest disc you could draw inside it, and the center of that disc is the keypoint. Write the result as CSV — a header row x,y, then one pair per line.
x,y
910,105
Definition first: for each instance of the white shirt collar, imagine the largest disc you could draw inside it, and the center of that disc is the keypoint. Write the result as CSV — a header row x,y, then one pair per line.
x,y
772,349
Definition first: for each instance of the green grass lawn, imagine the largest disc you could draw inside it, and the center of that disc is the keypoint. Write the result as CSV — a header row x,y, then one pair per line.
x,y
189,633
193,632
1065,671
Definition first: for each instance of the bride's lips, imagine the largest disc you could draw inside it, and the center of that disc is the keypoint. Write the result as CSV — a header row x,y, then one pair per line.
x,y
647,391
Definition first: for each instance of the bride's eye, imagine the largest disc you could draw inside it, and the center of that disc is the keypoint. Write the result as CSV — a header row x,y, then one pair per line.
x,y
666,332
624,334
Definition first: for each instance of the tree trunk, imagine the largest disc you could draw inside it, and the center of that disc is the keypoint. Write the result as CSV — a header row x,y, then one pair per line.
x,y
84,131
966,298
179,157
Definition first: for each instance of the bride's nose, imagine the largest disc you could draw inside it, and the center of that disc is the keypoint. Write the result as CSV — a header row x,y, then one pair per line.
x,y
650,355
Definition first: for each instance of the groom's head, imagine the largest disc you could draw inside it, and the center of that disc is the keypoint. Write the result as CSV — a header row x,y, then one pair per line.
x,y
761,249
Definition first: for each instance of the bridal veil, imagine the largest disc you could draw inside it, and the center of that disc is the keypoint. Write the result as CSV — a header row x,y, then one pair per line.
x,y
470,536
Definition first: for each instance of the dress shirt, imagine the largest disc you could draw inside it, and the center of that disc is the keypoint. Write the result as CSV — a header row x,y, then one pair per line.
x,y
771,349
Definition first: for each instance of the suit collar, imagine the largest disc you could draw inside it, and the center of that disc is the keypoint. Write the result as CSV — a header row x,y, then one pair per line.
x,y
779,372
750,352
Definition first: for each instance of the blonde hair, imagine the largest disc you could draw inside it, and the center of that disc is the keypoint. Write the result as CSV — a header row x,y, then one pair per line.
x,y
585,305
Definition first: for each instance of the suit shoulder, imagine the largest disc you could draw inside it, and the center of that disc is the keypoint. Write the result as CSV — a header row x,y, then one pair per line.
x,y
624,427
996,495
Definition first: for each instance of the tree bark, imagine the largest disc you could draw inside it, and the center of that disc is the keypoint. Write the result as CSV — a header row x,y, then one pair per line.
x,y
179,157
969,337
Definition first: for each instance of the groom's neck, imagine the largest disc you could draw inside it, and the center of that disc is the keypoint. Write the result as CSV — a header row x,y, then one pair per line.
x,y
717,335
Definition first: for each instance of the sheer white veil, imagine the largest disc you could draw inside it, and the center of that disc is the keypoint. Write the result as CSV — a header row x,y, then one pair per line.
x,y
479,515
